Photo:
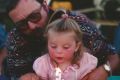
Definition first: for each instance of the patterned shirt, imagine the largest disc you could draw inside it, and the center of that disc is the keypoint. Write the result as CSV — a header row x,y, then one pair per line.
x,y
22,52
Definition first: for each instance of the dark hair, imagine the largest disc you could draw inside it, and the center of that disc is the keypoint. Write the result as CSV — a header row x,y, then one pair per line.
x,y
11,4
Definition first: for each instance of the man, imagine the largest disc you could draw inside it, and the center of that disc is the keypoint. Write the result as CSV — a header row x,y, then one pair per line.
x,y
26,42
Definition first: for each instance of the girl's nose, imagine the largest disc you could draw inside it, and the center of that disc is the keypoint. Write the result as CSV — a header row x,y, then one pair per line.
x,y
58,50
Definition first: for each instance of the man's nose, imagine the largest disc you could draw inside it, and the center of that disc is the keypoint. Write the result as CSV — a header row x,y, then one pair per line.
x,y
31,25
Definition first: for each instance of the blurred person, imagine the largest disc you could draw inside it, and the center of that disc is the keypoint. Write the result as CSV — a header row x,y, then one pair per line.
x,y
3,51
116,41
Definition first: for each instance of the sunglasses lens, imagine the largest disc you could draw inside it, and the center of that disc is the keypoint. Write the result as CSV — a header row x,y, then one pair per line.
x,y
22,24
35,17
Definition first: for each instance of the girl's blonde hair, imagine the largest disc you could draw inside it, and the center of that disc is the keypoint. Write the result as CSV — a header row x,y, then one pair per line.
x,y
67,25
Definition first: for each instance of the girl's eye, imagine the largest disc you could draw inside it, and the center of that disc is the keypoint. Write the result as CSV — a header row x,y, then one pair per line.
x,y
53,46
66,47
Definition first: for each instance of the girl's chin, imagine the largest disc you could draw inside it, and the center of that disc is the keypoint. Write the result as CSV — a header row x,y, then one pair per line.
x,y
59,60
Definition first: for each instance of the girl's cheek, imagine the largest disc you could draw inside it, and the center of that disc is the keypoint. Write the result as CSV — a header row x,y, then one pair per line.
x,y
69,50
51,50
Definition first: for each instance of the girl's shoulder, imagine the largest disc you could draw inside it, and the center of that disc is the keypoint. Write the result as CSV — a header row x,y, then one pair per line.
x,y
42,59
87,63
41,66
88,58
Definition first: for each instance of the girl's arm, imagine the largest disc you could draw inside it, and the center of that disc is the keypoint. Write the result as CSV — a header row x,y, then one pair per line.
x,y
30,76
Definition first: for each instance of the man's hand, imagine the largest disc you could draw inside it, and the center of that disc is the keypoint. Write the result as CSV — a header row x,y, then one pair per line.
x,y
97,74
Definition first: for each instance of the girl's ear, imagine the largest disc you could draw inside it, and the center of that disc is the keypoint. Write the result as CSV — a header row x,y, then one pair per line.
x,y
78,45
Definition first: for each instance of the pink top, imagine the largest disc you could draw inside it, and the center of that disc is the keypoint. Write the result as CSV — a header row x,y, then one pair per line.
x,y
43,67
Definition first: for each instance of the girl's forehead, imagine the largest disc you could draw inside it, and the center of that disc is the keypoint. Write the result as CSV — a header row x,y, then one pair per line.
x,y
62,33
52,31
61,36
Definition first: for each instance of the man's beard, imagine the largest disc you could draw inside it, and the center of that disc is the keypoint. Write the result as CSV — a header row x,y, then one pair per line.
x,y
35,34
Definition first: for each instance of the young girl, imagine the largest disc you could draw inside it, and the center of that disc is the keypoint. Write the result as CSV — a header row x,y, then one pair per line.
x,y
66,58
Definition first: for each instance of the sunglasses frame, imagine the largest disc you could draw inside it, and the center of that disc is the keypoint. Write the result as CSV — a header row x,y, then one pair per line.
x,y
24,23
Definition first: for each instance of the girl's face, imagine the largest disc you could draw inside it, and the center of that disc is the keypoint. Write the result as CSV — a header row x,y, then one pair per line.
x,y
61,46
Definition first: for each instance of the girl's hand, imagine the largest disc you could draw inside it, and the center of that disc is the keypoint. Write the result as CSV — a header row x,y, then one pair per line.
x,y
29,76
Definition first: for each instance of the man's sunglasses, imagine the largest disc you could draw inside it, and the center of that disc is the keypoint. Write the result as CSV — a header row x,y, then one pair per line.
x,y
34,17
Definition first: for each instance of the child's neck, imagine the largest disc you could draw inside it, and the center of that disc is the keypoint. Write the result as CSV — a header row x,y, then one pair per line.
x,y
63,66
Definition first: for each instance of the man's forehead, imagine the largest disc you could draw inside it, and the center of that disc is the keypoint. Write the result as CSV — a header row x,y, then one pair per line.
x,y
23,9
